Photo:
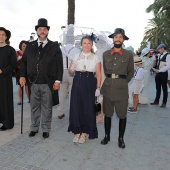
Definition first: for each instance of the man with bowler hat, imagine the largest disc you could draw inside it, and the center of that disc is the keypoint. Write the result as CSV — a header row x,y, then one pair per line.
x,y
8,62
42,63
118,66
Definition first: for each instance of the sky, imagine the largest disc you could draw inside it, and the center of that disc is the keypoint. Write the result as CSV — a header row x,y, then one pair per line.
x,y
21,16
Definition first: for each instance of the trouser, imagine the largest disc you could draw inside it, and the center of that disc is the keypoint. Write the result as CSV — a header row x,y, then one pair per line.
x,y
65,88
41,107
161,81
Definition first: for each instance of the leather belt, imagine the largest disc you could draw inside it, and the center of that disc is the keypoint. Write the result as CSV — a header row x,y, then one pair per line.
x,y
114,76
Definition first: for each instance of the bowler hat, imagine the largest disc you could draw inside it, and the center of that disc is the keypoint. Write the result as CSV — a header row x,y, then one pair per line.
x,y
119,31
137,60
42,22
161,46
7,32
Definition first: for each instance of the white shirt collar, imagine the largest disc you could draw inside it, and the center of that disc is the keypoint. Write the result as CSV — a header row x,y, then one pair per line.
x,y
44,42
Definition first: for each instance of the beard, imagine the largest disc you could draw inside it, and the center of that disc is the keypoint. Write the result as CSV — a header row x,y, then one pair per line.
x,y
118,45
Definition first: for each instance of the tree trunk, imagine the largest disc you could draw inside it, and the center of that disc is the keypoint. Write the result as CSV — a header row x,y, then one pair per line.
x,y
70,22
71,12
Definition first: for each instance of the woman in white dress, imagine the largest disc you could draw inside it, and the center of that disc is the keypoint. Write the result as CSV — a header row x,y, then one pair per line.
x,y
147,65
102,45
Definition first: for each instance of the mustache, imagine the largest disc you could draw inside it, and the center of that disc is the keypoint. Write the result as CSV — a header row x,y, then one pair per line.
x,y
117,41
42,34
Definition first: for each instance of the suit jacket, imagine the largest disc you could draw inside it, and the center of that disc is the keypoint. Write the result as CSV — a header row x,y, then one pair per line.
x,y
117,89
51,63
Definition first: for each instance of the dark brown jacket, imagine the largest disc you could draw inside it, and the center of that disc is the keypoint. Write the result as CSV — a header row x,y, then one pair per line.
x,y
117,89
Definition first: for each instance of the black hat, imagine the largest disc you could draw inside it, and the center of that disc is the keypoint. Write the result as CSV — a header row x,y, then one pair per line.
x,y
7,32
42,22
119,31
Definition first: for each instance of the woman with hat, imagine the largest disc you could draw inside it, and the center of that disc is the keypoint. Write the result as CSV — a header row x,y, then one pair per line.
x,y
8,61
82,118
102,45
147,65
137,85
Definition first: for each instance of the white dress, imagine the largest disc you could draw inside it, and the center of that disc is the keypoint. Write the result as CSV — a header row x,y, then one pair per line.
x,y
147,65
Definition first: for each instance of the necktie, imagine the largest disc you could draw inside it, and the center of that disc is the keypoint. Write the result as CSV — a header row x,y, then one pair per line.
x,y
41,46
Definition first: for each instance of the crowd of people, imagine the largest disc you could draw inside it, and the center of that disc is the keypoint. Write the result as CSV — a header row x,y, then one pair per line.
x,y
50,73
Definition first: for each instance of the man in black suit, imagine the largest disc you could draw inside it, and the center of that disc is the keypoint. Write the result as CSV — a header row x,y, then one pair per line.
x,y
42,63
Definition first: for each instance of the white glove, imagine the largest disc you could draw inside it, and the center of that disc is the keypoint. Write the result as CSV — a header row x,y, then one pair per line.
x,y
19,58
97,93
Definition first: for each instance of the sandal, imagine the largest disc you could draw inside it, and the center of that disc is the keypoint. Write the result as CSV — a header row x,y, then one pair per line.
x,y
82,138
76,138
99,118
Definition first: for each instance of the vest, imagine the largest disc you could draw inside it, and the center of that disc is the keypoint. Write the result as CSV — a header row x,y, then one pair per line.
x,y
162,59
38,70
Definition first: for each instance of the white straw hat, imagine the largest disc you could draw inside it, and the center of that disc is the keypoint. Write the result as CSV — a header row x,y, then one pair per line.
x,y
137,60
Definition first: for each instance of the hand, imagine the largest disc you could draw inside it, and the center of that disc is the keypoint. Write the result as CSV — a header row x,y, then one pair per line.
x,y
156,71
97,93
22,81
19,58
0,71
56,86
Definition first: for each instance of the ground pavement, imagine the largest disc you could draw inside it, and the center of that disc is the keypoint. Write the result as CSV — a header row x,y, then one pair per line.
x,y
147,141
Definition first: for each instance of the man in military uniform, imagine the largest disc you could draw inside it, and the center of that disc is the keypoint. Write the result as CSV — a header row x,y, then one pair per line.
x,y
118,67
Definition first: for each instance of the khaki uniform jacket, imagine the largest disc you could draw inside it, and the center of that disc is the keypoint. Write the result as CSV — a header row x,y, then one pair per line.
x,y
117,89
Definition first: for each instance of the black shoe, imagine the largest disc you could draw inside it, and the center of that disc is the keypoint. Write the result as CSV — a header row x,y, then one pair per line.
x,y
163,105
32,133
105,140
19,103
45,134
154,103
121,143
3,128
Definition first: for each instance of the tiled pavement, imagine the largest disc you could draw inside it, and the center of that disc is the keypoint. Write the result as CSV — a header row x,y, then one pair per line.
x,y
147,141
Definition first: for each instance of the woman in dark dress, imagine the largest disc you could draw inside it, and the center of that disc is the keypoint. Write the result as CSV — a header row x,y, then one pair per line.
x,y
87,68
8,63
22,46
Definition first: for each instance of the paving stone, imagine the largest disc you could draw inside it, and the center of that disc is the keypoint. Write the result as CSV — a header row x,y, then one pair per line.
x,y
147,143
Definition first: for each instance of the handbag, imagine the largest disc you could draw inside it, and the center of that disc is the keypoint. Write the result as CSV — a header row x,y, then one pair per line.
x,y
97,106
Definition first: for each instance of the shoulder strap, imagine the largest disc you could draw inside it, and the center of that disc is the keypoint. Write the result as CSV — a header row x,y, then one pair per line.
x,y
136,71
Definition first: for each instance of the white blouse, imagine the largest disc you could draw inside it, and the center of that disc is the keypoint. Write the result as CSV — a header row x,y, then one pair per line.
x,y
85,62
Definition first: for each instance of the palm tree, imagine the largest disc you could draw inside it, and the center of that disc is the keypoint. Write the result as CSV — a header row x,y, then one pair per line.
x,y
153,32
158,30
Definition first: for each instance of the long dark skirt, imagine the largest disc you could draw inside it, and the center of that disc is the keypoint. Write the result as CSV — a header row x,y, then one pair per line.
x,y
6,102
82,116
